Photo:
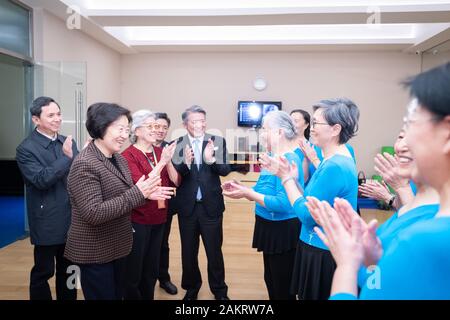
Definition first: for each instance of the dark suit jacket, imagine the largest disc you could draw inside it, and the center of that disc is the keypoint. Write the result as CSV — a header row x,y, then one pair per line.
x,y
44,168
207,178
102,200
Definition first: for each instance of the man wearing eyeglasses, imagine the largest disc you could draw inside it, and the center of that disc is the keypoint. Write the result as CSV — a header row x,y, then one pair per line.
x,y
201,159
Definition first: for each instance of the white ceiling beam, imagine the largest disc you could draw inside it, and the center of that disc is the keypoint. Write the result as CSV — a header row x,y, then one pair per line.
x,y
429,41
274,48
179,13
87,26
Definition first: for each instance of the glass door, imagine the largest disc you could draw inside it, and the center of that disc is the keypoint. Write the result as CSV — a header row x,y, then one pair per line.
x,y
65,82
13,105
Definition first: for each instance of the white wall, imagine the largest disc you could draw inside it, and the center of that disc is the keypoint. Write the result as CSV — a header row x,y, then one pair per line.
x,y
171,82
73,66
103,63
433,58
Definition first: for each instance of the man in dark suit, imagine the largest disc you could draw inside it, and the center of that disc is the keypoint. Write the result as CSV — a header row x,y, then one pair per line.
x,y
44,159
200,159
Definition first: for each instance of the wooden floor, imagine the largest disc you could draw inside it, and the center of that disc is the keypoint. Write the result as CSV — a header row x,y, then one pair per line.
x,y
243,265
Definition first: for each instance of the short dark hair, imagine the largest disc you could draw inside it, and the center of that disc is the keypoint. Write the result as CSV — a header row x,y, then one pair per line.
x,y
101,115
162,115
193,109
432,90
38,103
307,118
340,111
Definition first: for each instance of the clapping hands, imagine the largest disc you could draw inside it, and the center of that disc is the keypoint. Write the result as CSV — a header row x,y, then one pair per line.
x,y
209,151
279,166
188,155
151,188
350,239
375,190
387,165
309,151
234,189
167,153
67,147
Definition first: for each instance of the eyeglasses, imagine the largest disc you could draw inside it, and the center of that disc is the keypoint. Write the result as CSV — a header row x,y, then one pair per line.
x,y
314,123
155,127
407,121
122,129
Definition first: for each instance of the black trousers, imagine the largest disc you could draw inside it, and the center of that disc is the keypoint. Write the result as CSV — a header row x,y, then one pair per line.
x,y
143,262
164,275
103,281
45,259
210,230
278,270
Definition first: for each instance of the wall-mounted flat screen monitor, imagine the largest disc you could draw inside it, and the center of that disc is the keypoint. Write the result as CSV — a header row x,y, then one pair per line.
x,y
251,113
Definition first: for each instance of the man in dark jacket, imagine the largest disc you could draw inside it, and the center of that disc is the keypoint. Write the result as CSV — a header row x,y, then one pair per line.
x,y
44,159
201,159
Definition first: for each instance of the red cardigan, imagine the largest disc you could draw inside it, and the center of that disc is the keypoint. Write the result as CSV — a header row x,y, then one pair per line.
x,y
139,166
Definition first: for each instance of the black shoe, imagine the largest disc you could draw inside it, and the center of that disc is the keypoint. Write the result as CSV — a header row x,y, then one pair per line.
x,y
223,298
169,287
190,295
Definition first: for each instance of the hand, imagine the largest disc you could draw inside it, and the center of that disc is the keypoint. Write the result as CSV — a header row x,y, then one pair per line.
x,y
386,165
279,166
373,249
188,155
309,151
227,185
345,245
89,140
234,190
148,185
67,147
167,153
313,205
375,190
209,152
269,163
161,193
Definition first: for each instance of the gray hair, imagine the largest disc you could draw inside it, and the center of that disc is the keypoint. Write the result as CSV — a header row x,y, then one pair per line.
x,y
193,109
138,118
340,111
281,120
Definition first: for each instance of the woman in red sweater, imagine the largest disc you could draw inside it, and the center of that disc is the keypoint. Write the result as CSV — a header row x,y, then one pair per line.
x,y
148,220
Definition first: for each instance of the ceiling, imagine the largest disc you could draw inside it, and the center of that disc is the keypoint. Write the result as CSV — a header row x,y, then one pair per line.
x,y
135,26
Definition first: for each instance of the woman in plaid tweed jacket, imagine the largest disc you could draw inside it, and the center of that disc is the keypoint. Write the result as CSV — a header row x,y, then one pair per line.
x,y
103,195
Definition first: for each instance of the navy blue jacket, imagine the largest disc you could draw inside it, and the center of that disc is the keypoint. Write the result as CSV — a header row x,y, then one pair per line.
x,y
45,168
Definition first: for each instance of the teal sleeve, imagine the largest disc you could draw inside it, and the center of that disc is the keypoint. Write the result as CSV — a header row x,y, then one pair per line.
x,y
343,296
410,270
326,187
278,203
302,212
